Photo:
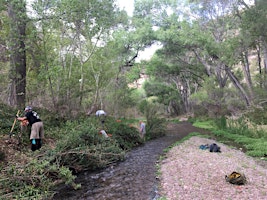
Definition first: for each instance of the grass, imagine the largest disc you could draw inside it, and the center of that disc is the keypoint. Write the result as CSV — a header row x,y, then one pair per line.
x,y
252,144
208,125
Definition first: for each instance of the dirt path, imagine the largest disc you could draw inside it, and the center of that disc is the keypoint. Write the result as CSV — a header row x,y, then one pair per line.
x,y
135,178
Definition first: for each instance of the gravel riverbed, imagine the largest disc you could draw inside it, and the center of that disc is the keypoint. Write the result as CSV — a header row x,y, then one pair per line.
x,y
190,173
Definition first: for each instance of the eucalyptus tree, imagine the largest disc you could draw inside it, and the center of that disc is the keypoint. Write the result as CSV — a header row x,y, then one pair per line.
x,y
174,65
16,10
177,67
225,48
200,40
253,29
4,56
69,43
247,27
128,42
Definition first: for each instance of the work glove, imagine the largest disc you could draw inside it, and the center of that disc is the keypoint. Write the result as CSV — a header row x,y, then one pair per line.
x,y
33,141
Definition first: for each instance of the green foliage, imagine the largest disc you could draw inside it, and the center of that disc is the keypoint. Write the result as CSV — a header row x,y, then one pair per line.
x,y
165,94
244,127
257,115
126,136
82,147
32,181
221,122
155,126
205,124
254,147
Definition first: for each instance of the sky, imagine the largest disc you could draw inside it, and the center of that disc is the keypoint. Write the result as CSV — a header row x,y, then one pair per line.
x,y
128,6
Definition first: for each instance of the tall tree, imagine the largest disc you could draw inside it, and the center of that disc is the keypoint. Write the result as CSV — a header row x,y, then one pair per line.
x,y
68,45
18,20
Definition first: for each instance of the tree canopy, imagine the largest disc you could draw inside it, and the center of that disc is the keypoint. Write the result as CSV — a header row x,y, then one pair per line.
x,y
71,56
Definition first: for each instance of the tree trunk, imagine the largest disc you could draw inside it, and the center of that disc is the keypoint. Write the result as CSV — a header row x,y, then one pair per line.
x,y
246,69
238,85
264,51
17,15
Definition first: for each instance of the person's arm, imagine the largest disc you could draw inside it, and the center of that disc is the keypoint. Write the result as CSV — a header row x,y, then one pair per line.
x,y
21,118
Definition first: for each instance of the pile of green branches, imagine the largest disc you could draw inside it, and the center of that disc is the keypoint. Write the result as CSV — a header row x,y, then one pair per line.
x,y
81,147
70,147
34,180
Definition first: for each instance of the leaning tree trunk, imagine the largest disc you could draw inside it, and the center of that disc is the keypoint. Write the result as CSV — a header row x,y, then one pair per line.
x,y
238,85
246,70
17,15
264,49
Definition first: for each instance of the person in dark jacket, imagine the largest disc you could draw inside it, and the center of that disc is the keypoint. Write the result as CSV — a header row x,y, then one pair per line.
x,y
37,127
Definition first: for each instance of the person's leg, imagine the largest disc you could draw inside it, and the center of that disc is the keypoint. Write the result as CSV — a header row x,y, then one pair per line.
x,y
33,145
38,144
41,130
34,136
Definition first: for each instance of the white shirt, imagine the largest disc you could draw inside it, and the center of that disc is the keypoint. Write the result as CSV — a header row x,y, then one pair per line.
x,y
100,112
103,132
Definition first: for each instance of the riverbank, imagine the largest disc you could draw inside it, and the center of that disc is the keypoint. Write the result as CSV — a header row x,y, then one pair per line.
x,y
189,172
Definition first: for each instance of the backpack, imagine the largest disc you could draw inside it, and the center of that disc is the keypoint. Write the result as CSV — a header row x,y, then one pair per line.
x,y
236,178
215,148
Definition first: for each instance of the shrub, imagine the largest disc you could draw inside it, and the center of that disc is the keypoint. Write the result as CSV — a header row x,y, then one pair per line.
x,y
34,180
126,136
155,126
257,115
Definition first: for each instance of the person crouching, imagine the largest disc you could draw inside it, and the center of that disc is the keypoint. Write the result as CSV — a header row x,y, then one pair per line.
x,y
37,127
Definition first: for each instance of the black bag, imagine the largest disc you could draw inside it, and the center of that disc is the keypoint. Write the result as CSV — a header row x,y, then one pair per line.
x,y
236,178
215,148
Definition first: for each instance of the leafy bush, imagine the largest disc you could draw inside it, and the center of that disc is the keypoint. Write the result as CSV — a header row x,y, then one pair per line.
x,y
155,126
221,122
257,115
126,136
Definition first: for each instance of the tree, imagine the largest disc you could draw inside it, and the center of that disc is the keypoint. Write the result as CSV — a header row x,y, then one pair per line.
x,y
18,21
68,43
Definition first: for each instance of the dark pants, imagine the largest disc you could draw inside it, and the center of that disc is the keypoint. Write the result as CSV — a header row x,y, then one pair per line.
x,y
37,145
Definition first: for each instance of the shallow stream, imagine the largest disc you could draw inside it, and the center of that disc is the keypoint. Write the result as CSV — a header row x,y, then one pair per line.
x,y
133,179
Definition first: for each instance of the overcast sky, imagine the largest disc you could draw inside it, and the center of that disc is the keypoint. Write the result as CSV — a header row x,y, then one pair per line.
x,y
127,5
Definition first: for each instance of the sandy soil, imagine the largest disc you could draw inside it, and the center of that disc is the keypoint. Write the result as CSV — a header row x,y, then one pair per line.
x,y
189,172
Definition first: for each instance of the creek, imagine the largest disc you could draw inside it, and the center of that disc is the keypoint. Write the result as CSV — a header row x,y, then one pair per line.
x,y
133,179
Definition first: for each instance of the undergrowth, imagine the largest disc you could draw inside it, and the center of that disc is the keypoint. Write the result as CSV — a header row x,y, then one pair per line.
x,y
70,147
252,139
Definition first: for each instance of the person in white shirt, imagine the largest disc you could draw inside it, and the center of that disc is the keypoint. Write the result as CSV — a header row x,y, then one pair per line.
x,y
102,116
142,129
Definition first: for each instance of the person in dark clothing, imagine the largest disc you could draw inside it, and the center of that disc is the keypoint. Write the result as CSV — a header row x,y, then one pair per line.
x,y
37,127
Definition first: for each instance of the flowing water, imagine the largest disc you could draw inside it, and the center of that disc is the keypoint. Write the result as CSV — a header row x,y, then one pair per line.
x,y
133,179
